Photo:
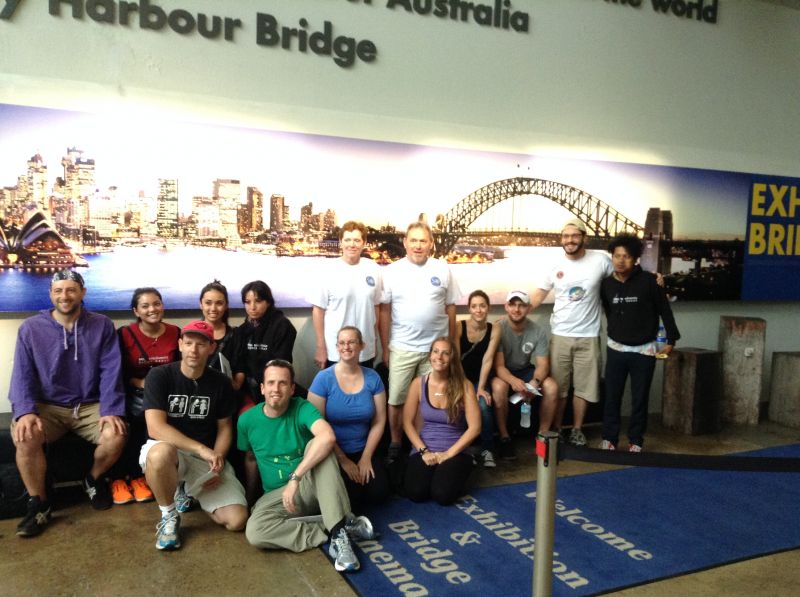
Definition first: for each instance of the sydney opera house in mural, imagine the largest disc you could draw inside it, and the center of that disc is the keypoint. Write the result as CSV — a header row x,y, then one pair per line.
x,y
35,246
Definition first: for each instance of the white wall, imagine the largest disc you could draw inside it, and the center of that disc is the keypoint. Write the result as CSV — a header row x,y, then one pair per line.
x,y
591,79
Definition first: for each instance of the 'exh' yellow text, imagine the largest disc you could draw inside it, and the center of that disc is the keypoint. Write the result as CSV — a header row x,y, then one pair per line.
x,y
775,200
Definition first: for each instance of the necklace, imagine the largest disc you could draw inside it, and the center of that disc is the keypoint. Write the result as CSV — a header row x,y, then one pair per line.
x,y
158,333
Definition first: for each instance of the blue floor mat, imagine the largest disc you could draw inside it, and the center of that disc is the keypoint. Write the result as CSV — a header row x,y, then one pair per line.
x,y
613,530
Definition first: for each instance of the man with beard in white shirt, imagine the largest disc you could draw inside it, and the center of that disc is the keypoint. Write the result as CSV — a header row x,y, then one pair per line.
x,y
575,323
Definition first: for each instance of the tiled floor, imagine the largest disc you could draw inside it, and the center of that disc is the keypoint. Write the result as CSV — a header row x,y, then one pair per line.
x,y
111,553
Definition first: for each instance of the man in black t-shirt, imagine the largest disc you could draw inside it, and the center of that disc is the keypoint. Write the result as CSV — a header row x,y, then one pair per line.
x,y
188,410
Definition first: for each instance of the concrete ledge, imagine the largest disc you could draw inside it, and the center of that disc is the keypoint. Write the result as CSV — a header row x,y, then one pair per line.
x,y
692,391
784,397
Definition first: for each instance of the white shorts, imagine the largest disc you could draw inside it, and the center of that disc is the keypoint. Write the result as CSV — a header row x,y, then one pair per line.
x,y
191,471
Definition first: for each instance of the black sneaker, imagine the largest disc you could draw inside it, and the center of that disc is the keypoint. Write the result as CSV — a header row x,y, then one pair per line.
x,y
98,492
392,454
577,438
36,518
507,451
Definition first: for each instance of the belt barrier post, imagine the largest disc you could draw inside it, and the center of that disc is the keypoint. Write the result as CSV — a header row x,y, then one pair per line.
x,y
546,451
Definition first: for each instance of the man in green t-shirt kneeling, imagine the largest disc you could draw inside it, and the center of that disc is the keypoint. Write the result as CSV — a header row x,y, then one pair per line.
x,y
290,446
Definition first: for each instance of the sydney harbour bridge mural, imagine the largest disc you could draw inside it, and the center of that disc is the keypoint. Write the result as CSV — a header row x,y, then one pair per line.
x,y
716,265
37,247
264,204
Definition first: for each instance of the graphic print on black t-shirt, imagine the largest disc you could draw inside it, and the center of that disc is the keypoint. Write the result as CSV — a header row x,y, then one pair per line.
x,y
176,405
198,407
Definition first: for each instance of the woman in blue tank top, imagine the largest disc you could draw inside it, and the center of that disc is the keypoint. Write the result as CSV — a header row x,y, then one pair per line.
x,y
441,419
352,399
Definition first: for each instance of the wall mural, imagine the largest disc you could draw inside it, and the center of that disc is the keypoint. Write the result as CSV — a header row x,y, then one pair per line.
x,y
140,201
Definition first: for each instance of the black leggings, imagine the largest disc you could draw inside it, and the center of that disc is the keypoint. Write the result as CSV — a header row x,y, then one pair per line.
x,y
443,483
376,491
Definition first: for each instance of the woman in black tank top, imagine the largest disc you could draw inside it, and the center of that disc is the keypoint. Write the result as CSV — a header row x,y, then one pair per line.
x,y
477,341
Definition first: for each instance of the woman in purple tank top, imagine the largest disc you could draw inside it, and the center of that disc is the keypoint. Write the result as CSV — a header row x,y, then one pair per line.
x,y
441,419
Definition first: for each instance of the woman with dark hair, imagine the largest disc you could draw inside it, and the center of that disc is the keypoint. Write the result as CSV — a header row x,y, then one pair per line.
x,y
146,343
353,400
441,419
477,341
266,334
214,305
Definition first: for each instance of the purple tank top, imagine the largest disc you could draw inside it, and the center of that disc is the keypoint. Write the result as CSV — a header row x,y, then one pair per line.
x,y
438,433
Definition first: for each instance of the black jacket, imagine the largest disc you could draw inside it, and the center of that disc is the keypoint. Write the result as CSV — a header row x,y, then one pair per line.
x,y
271,337
633,308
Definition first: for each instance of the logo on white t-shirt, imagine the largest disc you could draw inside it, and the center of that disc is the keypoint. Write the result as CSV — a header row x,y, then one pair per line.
x,y
576,293
436,281
370,281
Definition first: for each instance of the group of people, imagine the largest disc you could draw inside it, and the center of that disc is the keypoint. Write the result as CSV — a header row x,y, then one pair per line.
x,y
211,414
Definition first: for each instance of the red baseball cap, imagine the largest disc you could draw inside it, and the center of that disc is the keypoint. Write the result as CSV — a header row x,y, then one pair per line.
x,y
199,327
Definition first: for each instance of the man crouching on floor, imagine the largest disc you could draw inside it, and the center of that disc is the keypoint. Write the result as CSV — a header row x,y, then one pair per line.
x,y
189,409
290,445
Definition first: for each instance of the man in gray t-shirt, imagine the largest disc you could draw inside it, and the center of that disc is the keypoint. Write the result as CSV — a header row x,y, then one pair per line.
x,y
521,362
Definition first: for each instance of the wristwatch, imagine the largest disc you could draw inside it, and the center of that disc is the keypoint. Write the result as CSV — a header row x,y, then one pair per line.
x,y
422,450
294,477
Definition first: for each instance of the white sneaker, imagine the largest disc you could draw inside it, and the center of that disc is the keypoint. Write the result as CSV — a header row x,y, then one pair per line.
x,y
488,459
183,502
360,528
607,445
168,532
344,559
635,448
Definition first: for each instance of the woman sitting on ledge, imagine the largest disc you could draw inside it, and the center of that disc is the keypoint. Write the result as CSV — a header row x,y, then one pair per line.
x,y
441,419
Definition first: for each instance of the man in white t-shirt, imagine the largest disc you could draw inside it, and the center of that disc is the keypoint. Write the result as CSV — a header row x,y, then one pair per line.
x,y
575,323
418,306
349,293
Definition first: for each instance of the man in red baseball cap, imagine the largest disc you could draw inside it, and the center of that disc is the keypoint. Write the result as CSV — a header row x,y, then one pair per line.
x,y
189,409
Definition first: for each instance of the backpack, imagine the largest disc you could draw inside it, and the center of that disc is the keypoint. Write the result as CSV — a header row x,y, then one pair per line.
x,y
13,495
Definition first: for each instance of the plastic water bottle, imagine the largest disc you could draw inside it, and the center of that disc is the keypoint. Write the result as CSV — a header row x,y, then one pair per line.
x,y
661,338
525,415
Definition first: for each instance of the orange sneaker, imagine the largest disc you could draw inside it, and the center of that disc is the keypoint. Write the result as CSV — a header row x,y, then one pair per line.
x,y
121,493
141,492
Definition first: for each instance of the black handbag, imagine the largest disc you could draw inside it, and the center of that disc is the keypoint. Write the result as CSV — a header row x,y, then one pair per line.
x,y
134,397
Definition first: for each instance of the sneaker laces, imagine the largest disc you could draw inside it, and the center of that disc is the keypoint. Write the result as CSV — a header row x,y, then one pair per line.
x,y
167,525
343,546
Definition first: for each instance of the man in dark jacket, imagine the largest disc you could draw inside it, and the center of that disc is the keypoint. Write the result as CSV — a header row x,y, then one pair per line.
x,y
633,303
